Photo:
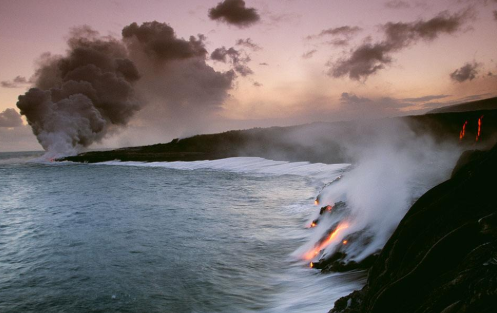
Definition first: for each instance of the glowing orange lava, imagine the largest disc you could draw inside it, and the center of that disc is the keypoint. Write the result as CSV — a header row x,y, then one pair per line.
x,y
315,251
344,242
313,224
311,265
463,131
479,128
316,202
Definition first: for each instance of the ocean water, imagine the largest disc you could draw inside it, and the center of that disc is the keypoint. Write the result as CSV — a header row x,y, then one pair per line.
x,y
212,236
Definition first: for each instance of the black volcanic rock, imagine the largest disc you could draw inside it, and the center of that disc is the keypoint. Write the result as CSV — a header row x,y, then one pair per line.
x,y
317,142
443,255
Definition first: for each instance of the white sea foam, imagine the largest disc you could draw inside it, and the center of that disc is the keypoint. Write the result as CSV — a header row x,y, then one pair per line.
x,y
250,165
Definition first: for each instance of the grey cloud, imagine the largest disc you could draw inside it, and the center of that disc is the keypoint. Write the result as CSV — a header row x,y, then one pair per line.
x,y
159,41
425,98
257,84
347,31
397,4
248,43
235,13
369,58
338,42
151,78
309,54
384,102
10,118
17,82
181,93
238,60
342,34
467,72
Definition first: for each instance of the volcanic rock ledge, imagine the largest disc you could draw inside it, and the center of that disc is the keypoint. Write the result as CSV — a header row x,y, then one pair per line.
x,y
443,255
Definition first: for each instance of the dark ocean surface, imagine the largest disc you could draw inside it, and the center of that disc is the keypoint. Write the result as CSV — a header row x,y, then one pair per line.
x,y
214,236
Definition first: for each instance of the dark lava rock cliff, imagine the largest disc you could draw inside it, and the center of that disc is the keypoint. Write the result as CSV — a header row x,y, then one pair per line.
x,y
443,255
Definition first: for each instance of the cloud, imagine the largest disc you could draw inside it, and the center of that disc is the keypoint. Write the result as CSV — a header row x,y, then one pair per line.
x,y
180,91
467,72
238,61
257,84
10,118
309,54
397,4
248,43
17,82
235,13
346,31
159,41
342,35
425,98
369,58
263,64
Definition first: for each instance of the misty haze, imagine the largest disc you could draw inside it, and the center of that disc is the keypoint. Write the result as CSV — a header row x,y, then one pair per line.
x,y
248,156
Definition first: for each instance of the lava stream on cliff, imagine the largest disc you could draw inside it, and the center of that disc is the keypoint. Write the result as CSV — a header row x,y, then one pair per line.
x,y
479,128
463,130
309,255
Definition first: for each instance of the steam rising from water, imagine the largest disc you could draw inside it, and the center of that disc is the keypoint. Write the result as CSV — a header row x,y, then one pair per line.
x,y
391,172
80,97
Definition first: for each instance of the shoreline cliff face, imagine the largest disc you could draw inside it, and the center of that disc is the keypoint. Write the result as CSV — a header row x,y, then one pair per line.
x,y
443,255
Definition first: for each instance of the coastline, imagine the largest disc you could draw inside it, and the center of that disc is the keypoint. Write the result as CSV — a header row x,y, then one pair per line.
x,y
441,257
326,143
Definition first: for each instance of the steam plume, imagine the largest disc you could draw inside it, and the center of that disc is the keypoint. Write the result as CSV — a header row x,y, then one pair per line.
x,y
79,97
390,172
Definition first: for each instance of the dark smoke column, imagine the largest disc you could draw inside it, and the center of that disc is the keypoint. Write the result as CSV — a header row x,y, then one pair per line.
x,y
82,96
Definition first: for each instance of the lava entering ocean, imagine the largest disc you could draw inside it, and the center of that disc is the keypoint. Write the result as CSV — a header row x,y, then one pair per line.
x,y
323,244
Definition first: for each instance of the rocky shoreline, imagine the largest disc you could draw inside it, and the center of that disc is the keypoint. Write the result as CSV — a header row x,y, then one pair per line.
x,y
443,255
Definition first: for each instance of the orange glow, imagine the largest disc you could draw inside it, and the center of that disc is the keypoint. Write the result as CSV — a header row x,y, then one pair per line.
x,y
344,242
329,207
463,131
479,128
311,265
313,224
315,251
316,202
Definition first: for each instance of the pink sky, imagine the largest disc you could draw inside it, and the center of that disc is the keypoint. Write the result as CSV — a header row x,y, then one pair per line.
x,y
291,88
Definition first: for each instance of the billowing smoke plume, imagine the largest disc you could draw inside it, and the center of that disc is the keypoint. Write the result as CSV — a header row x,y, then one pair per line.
x,y
181,91
100,84
238,60
79,97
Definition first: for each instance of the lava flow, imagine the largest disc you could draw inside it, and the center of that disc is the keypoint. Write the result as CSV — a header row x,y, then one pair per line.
x,y
315,251
479,128
463,131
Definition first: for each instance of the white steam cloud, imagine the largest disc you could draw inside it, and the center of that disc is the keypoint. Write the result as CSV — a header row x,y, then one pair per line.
x,y
390,173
